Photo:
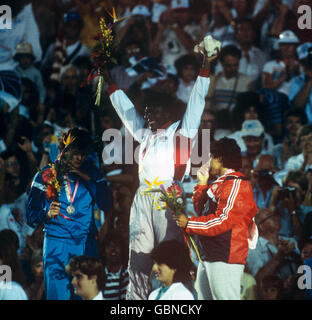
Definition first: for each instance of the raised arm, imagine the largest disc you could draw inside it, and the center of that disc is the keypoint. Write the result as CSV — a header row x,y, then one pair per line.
x,y
196,103
125,109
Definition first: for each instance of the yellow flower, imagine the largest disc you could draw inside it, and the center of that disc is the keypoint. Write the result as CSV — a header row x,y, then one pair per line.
x,y
113,15
68,140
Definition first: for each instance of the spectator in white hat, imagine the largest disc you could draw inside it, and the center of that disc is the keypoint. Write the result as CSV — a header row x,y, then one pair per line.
x,y
300,92
252,134
277,73
25,57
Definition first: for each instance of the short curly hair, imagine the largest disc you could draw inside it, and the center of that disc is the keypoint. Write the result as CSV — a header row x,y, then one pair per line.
x,y
229,153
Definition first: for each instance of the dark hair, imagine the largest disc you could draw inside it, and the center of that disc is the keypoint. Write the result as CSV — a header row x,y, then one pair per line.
x,y
113,237
89,266
230,50
296,112
228,151
272,281
298,177
165,101
82,141
244,100
303,242
175,255
9,256
10,237
244,20
185,60
304,131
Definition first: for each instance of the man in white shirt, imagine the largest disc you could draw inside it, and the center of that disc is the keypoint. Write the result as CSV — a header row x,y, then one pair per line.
x,y
66,49
302,161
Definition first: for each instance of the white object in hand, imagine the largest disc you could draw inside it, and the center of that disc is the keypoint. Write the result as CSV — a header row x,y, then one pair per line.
x,y
210,44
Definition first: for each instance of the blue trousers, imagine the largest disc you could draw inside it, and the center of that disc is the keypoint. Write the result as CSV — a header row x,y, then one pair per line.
x,y
56,254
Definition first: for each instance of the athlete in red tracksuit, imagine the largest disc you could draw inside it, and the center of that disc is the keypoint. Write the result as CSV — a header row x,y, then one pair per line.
x,y
225,209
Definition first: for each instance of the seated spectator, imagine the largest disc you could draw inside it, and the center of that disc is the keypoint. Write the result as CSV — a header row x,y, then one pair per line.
x,y
15,176
248,107
302,161
274,104
264,182
172,266
295,118
66,48
25,57
116,280
253,58
14,288
252,134
35,291
271,288
88,277
300,93
273,253
287,202
25,30
230,82
187,69
278,73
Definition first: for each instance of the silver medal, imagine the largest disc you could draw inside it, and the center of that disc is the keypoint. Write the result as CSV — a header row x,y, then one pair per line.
x,y
70,209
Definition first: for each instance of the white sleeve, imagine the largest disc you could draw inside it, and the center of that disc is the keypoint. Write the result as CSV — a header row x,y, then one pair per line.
x,y
32,34
125,109
195,107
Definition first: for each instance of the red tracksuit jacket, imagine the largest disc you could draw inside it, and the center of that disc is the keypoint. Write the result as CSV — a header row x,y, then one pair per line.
x,y
222,232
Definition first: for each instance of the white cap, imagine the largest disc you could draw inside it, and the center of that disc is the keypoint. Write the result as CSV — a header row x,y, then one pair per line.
x,y
177,4
288,36
140,10
252,128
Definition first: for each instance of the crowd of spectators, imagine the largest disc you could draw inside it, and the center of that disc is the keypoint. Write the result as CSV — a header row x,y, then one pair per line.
x,y
260,95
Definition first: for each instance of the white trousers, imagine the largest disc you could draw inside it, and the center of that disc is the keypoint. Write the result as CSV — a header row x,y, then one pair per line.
x,y
148,227
218,280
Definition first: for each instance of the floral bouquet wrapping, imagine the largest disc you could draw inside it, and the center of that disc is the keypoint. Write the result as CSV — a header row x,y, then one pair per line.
x,y
172,198
53,176
103,52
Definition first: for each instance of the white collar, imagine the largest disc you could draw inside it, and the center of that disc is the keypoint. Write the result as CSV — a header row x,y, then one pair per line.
x,y
99,296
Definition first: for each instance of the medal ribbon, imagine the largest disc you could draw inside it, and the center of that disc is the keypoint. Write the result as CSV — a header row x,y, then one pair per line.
x,y
71,197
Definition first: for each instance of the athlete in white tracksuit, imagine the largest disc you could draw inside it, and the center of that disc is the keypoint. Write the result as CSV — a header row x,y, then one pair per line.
x,y
150,226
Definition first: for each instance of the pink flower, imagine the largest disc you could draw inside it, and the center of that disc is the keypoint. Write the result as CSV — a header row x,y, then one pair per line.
x,y
177,189
47,175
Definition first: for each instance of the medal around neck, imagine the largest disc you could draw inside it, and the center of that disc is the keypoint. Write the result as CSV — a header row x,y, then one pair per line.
x,y
70,209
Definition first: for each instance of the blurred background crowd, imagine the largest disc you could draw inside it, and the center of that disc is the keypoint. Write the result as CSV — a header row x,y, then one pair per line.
x,y
260,95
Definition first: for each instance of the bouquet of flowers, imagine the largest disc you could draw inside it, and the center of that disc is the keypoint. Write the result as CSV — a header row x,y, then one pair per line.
x,y
53,176
172,198
102,53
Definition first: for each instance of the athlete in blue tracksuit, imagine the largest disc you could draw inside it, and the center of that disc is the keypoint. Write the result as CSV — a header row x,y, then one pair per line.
x,y
68,233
